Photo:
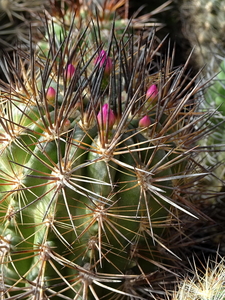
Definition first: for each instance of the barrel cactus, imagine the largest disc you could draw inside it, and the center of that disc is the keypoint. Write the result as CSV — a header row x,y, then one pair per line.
x,y
203,26
208,284
18,19
98,156
214,102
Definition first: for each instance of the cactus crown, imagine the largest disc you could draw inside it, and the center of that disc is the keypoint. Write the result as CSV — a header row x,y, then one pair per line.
x,y
208,284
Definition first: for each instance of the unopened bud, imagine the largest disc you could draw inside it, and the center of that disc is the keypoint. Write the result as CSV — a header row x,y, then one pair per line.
x,y
144,122
103,60
106,116
152,92
50,95
66,125
70,70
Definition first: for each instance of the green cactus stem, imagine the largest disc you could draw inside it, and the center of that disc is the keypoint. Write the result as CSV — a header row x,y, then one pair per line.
x,y
86,189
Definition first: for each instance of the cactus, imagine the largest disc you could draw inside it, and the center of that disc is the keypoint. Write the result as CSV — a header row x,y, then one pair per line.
x,y
203,25
98,153
18,20
214,102
208,284
216,92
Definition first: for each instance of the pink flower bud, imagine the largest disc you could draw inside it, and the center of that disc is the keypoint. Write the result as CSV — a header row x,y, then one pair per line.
x,y
144,122
106,116
50,95
66,124
70,70
103,60
152,92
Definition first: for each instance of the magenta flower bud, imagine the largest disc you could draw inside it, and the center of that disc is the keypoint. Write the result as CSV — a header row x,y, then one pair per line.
x,y
70,70
144,122
106,116
103,60
50,95
152,92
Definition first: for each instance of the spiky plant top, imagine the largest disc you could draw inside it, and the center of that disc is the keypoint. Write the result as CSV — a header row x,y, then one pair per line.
x,y
204,285
203,25
97,147
83,12
86,9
